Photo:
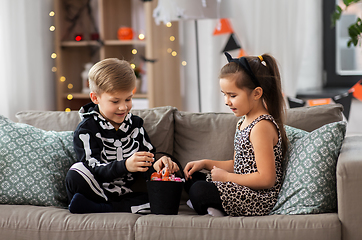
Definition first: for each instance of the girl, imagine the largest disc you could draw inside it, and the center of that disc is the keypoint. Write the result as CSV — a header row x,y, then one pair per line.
x,y
249,184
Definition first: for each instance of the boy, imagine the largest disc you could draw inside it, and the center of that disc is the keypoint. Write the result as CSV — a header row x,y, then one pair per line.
x,y
111,145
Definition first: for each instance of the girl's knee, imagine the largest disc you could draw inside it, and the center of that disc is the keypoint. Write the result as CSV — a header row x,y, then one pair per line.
x,y
197,191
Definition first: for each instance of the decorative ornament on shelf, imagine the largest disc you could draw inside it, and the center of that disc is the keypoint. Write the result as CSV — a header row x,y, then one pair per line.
x,y
84,75
78,37
76,13
138,72
125,33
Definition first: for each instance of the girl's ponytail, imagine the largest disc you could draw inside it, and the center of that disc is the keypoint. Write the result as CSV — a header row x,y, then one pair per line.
x,y
266,70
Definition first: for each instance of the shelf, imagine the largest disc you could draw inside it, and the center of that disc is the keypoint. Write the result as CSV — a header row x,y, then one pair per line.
x,y
321,93
86,95
124,42
80,44
109,16
106,42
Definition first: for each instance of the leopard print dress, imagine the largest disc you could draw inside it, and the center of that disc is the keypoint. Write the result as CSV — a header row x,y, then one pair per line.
x,y
239,200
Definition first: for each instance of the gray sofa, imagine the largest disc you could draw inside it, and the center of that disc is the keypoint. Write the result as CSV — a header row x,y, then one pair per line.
x,y
191,136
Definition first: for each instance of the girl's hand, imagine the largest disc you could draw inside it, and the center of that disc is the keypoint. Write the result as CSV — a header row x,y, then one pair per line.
x,y
163,162
192,167
139,162
218,174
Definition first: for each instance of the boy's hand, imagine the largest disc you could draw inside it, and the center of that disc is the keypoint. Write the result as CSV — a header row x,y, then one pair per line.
x,y
162,162
139,162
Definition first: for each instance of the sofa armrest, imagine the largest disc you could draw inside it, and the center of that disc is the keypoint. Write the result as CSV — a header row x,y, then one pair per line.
x,y
349,187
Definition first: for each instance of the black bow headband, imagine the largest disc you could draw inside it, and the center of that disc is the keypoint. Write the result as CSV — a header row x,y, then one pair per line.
x,y
243,62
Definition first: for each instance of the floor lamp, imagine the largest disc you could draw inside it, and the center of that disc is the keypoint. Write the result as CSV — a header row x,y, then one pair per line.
x,y
180,10
198,66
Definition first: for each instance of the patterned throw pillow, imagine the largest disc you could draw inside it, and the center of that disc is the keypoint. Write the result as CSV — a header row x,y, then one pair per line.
x,y
309,184
293,135
33,164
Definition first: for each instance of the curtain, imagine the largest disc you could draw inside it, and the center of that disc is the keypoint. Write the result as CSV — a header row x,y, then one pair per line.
x,y
291,31
26,45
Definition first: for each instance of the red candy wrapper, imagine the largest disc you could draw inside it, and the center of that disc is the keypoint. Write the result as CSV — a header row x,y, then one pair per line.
x,y
164,175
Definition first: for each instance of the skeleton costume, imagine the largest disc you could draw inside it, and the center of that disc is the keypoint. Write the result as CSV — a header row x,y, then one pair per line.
x,y
102,151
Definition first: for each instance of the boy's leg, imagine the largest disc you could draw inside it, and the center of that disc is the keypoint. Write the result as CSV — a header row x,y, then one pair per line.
x,y
86,195
81,204
80,180
84,192
125,202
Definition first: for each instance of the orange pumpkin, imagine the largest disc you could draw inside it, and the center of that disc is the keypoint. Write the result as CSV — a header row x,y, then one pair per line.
x,y
125,33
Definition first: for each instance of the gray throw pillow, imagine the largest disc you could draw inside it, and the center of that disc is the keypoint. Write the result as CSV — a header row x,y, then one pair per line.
x,y
33,164
309,184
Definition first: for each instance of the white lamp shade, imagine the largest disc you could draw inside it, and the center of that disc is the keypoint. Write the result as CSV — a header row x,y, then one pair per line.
x,y
177,10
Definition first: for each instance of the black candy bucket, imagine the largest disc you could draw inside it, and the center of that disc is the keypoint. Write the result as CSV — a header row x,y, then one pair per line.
x,y
165,196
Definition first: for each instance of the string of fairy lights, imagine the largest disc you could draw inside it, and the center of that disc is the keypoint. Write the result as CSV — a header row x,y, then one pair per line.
x,y
134,51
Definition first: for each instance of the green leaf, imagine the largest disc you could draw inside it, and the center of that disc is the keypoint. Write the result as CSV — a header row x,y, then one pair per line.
x,y
336,15
349,43
355,30
349,2
354,35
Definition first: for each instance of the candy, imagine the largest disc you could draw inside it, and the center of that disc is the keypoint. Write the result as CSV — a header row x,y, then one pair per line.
x,y
165,179
164,175
156,175
165,172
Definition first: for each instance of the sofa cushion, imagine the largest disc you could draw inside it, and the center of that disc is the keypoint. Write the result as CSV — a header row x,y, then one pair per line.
x,y
48,223
294,134
309,184
211,135
50,120
311,118
33,164
158,123
280,227
204,135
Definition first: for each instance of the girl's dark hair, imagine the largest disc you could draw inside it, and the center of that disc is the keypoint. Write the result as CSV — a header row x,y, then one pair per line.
x,y
269,79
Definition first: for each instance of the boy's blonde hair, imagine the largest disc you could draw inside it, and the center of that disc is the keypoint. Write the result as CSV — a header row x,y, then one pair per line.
x,y
111,75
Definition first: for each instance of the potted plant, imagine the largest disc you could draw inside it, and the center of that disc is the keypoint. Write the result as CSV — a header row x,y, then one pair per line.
x,y
354,30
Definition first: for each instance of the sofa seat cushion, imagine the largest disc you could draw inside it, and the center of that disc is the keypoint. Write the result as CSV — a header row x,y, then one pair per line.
x,y
34,222
281,227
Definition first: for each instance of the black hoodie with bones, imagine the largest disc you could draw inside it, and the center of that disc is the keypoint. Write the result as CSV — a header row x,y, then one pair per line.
x,y
103,149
